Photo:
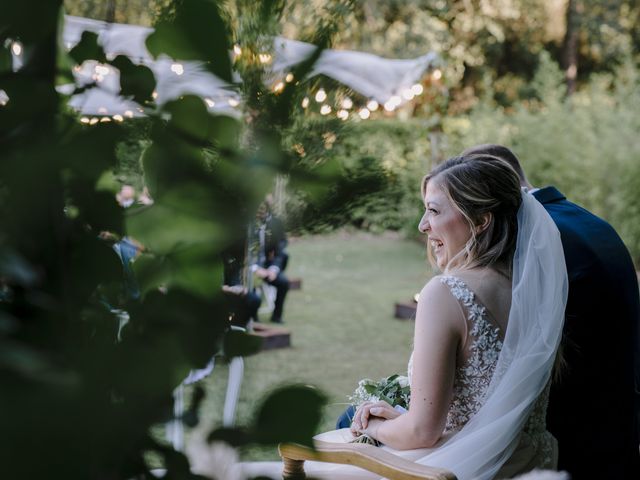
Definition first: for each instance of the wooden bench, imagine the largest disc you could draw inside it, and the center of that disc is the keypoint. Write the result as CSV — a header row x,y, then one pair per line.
x,y
295,284
272,337
406,310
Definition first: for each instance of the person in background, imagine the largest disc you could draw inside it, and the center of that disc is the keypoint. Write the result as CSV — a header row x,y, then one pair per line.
x,y
272,256
594,405
244,302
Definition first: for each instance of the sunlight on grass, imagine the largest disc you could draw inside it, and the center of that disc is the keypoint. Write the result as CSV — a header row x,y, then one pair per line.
x,y
341,323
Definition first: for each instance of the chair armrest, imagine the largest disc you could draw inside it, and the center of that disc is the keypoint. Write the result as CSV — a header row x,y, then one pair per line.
x,y
368,457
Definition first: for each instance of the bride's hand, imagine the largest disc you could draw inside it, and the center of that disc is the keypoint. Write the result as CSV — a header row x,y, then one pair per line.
x,y
379,409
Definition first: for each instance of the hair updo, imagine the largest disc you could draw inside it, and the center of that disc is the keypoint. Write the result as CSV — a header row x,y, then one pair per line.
x,y
477,185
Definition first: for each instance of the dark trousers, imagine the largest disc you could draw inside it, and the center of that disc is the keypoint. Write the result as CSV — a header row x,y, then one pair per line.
x,y
244,307
281,283
344,420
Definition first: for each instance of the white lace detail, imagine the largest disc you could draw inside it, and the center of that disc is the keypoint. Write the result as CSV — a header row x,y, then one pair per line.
x,y
536,428
472,378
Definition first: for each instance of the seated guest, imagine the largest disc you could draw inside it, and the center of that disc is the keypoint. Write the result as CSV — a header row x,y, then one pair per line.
x,y
272,256
244,302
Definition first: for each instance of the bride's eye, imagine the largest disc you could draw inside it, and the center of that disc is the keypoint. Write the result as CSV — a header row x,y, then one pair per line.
x,y
432,211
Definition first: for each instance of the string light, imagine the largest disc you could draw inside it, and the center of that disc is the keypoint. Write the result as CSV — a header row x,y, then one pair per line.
x,y
325,109
128,113
93,121
305,102
4,98
105,120
177,68
321,95
264,57
84,120
342,114
233,102
372,105
289,77
154,94
417,89
237,50
210,103
118,118
408,94
391,104
16,48
437,74
279,87
347,103
364,113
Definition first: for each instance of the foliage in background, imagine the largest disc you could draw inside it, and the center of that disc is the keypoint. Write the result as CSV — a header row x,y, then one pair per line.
x,y
81,391
496,41
382,164
586,145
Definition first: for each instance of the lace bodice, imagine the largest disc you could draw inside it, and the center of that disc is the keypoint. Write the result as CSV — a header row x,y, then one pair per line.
x,y
473,375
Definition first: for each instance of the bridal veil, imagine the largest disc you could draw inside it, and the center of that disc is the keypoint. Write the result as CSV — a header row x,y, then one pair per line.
x,y
539,296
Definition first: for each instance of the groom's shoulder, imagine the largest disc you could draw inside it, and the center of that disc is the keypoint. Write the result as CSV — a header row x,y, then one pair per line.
x,y
571,216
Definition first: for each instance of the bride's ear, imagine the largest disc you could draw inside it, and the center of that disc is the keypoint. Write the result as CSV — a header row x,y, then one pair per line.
x,y
484,223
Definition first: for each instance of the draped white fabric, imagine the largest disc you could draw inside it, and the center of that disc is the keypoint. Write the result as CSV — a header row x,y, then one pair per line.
x,y
524,366
371,76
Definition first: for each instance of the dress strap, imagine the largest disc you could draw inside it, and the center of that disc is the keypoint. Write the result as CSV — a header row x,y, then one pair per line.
x,y
463,294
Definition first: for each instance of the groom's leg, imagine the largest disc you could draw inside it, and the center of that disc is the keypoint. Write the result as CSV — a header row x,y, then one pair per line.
x,y
344,421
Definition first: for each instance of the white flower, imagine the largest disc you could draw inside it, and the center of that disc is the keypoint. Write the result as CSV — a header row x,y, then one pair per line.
x,y
403,381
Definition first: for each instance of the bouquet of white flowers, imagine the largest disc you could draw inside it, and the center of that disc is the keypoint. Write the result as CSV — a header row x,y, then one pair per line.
x,y
394,390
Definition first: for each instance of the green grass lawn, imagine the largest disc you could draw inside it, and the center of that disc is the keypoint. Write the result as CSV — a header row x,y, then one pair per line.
x,y
341,322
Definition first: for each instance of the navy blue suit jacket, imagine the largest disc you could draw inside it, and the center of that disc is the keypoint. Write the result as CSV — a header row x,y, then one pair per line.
x,y
593,409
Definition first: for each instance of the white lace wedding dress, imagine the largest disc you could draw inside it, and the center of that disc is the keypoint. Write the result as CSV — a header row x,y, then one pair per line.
x,y
536,448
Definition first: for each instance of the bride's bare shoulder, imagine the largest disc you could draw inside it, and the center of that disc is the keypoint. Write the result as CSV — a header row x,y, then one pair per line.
x,y
437,303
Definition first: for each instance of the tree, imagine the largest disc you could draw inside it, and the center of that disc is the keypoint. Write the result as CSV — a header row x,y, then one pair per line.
x,y
78,402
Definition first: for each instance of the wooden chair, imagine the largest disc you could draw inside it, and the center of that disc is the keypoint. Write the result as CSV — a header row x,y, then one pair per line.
x,y
368,457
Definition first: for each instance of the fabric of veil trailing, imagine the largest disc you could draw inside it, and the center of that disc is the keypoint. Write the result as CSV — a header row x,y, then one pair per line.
x,y
524,366
372,76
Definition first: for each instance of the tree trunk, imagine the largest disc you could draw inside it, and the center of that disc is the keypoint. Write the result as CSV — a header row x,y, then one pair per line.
x,y
570,45
110,16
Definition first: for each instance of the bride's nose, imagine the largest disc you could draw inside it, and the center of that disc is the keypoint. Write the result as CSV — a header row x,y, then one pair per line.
x,y
424,226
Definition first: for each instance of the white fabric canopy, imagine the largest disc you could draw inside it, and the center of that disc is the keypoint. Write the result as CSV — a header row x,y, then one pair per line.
x,y
372,76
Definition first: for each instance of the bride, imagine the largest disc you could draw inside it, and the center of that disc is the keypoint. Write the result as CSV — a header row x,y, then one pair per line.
x,y
486,332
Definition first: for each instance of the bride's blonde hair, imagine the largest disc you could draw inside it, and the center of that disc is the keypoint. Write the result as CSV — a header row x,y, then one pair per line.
x,y
482,186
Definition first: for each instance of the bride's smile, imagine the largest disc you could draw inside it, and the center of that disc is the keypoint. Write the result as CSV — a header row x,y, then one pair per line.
x,y
446,227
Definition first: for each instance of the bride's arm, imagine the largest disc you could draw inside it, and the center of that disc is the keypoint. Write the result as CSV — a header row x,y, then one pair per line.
x,y
439,330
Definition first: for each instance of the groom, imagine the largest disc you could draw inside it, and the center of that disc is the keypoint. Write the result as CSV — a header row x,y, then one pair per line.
x,y
594,405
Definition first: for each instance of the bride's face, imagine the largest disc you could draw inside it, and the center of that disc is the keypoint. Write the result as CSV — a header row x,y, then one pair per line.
x,y
447,229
